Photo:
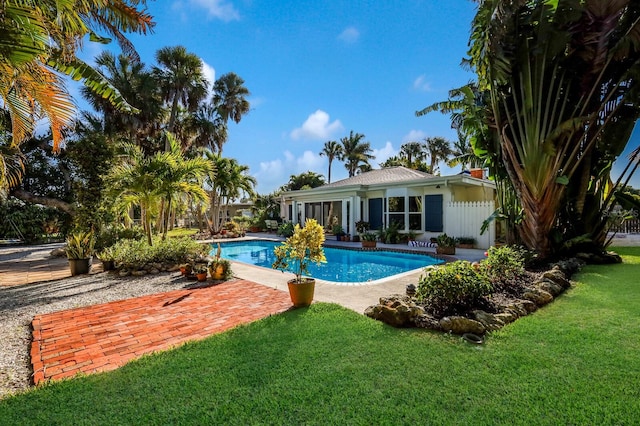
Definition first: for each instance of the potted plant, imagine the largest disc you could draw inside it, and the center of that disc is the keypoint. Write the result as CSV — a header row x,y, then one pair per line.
x,y
200,272
220,269
338,231
465,242
79,250
296,253
446,244
368,240
361,227
107,257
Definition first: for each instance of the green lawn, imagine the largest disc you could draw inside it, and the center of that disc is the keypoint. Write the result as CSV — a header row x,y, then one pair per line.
x,y
576,361
182,232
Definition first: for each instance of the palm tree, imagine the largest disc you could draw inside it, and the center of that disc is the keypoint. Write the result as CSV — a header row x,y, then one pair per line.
x,y
135,82
333,151
356,152
228,180
413,151
561,86
181,81
462,153
439,150
229,100
40,38
179,178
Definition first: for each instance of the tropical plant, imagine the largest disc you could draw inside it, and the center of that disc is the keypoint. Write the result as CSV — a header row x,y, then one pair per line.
x,y
80,245
439,149
285,229
337,230
181,80
301,249
413,151
562,84
230,102
444,240
369,236
304,180
220,263
107,254
228,181
466,240
40,39
390,234
355,152
333,151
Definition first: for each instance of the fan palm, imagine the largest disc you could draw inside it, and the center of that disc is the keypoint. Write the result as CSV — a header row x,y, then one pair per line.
x,y
439,150
229,100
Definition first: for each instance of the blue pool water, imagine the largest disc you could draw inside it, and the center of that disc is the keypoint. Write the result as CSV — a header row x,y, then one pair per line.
x,y
346,266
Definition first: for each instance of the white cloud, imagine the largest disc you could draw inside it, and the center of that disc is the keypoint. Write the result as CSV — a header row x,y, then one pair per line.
x,y
384,153
414,136
317,126
349,35
310,161
219,9
421,84
210,74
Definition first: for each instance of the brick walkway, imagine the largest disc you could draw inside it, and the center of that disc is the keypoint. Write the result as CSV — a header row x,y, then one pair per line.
x,y
104,337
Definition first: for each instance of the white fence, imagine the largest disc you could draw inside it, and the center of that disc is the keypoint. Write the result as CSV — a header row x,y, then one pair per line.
x,y
464,219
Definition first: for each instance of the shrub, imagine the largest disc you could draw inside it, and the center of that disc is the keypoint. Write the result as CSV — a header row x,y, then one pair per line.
x,y
504,262
452,287
136,253
285,229
444,240
390,235
111,234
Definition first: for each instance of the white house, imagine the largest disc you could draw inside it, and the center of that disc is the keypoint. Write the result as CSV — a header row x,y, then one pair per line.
x,y
425,204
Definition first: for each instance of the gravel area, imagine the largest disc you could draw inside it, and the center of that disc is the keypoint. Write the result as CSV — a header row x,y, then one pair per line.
x,y
19,304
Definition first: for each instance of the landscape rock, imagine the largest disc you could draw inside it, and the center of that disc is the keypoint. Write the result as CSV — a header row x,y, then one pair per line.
x,y
506,317
558,277
396,310
489,321
427,321
539,297
461,325
124,273
569,266
548,286
139,273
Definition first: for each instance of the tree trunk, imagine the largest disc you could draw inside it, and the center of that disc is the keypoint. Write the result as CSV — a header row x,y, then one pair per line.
x,y
45,201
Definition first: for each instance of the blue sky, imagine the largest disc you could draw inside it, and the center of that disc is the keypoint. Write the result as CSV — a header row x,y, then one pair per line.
x,y
317,70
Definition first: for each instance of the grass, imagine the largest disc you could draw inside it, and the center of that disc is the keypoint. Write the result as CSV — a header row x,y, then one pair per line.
x,y
577,361
182,232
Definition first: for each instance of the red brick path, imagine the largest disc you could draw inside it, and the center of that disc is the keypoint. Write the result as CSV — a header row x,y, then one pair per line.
x,y
104,337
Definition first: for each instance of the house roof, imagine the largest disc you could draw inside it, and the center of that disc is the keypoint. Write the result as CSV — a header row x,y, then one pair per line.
x,y
381,176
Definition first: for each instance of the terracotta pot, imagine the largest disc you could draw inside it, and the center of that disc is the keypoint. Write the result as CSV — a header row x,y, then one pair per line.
x,y
79,266
477,173
201,276
465,246
369,244
301,293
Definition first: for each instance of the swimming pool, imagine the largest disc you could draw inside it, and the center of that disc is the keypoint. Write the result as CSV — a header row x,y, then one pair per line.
x,y
343,266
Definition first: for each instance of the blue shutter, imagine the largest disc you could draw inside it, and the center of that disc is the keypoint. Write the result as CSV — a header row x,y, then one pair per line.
x,y
433,213
375,213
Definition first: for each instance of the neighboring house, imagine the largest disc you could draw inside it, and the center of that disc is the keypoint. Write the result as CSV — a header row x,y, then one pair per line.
x,y
425,204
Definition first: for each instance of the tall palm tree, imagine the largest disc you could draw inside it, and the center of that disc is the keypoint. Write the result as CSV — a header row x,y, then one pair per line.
x,y
228,180
181,80
333,151
137,84
39,39
230,101
356,152
439,150
413,151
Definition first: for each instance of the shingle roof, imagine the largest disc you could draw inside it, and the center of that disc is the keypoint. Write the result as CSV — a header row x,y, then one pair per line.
x,y
381,176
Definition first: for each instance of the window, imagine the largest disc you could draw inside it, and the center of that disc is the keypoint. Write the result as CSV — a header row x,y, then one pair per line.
x,y
415,213
403,210
396,211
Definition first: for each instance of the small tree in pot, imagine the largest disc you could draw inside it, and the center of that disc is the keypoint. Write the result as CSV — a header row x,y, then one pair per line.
x,y
446,244
295,255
